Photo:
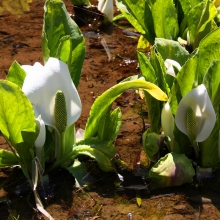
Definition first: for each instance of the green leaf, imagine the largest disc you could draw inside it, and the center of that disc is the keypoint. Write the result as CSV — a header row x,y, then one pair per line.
x,y
68,138
199,21
7,159
187,77
170,49
16,74
105,100
63,51
209,50
16,112
109,125
186,6
165,19
105,147
78,170
150,144
58,24
209,149
80,2
103,161
17,121
146,68
152,72
211,81
139,15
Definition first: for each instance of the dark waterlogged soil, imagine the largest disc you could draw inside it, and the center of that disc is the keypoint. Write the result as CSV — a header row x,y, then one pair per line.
x,y
20,39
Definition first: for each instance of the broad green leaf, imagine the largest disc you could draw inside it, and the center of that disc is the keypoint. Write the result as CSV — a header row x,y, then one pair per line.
x,y
106,99
143,44
159,67
187,77
63,51
105,147
146,68
152,74
16,112
170,49
165,19
7,159
209,50
186,6
139,15
16,74
57,24
209,149
78,170
17,121
109,125
68,138
211,81
150,144
80,2
199,21
103,162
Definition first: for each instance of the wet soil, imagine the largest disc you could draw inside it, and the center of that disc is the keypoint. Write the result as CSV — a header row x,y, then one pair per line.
x,y
20,40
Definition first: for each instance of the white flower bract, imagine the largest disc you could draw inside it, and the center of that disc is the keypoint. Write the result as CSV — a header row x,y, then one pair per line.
x,y
198,100
41,84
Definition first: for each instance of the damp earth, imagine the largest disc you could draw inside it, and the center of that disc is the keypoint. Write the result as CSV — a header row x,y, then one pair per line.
x,y
105,65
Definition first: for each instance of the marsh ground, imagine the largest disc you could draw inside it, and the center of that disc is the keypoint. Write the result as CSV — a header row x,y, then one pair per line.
x,y
20,40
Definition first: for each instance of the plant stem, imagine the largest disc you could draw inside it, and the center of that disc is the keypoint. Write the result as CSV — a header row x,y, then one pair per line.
x,y
196,149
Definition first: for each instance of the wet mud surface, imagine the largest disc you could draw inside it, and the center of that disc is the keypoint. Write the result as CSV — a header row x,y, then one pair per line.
x,y
20,40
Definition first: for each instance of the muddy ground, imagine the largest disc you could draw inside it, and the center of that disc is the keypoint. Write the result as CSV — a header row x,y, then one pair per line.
x,y
20,40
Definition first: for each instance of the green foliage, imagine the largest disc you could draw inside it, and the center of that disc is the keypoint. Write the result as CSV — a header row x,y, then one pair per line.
x,y
17,121
7,159
80,2
150,144
103,103
109,125
170,49
61,38
190,20
165,19
200,21
139,15
16,74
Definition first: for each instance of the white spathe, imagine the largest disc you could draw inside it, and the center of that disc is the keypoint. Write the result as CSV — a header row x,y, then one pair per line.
x,y
107,8
167,120
41,138
41,85
198,100
39,142
169,64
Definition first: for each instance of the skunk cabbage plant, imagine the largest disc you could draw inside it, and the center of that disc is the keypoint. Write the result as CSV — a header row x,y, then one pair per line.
x,y
107,8
195,115
171,170
170,65
41,86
